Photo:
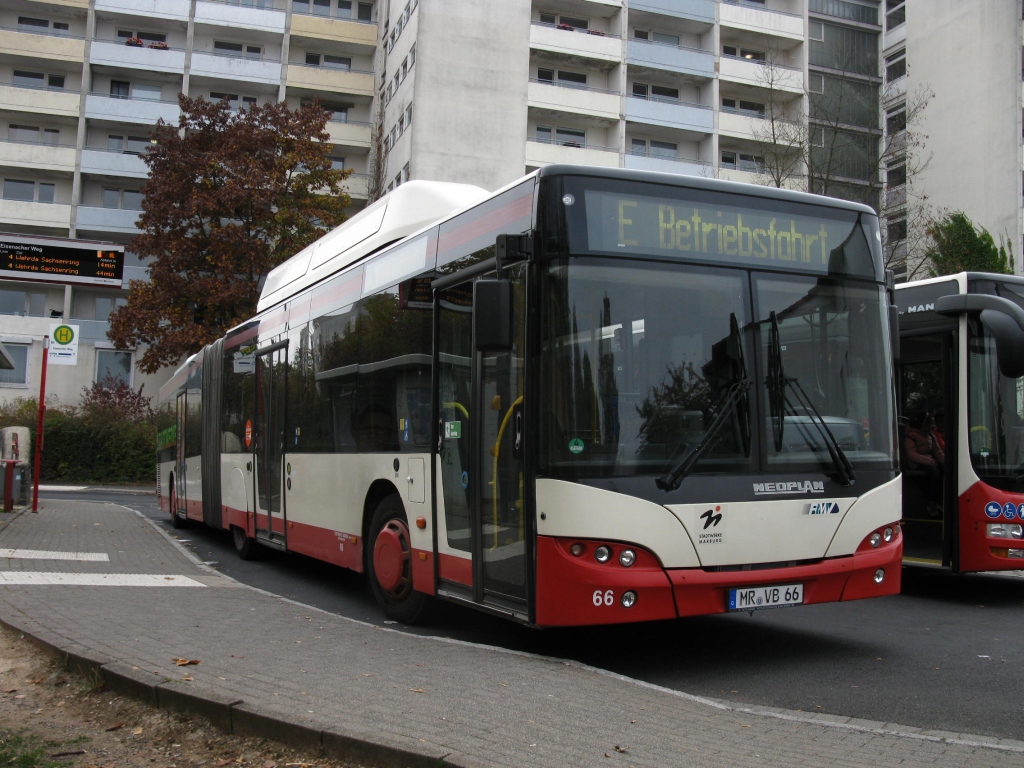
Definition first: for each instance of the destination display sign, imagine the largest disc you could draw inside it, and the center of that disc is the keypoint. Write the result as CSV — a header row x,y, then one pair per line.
x,y
626,223
61,261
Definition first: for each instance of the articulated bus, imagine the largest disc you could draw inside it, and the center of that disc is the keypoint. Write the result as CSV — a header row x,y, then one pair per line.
x,y
594,396
961,359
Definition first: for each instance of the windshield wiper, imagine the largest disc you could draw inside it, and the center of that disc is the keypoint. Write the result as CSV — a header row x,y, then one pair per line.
x,y
735,396
778,384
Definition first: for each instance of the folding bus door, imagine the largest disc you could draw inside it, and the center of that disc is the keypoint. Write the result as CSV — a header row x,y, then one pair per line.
x,y
479,399
268,443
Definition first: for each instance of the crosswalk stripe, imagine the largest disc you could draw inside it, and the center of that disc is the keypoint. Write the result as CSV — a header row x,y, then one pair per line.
x,y
43,554
38,578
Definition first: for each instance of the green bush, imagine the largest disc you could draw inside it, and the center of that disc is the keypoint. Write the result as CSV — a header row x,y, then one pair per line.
x,y
108,439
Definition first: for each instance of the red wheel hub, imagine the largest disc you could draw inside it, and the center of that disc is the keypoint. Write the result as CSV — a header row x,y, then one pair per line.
x,y
392,558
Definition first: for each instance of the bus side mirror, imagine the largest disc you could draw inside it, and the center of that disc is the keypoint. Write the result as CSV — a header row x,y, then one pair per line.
x,y
1009,342
492,315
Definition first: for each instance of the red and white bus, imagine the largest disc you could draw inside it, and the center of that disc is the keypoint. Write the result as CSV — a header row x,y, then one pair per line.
x,y
961,359
594,396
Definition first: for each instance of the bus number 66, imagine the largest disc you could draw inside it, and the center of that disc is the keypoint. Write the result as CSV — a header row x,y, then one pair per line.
x,y
604,598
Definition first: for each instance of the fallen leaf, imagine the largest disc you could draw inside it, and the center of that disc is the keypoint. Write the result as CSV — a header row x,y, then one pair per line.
x,y
136,731
185,662
621,749
417,690
188,678
632,721
37,681
115,726
606,754
20,696
222,763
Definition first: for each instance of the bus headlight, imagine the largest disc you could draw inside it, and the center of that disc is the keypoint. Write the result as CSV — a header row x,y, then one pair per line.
x,y
628,599
1005,530
602,554
876,540
879,576
627,557
887,535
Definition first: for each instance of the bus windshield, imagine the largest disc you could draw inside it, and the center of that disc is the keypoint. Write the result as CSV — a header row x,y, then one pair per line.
x,y
640,359
995,403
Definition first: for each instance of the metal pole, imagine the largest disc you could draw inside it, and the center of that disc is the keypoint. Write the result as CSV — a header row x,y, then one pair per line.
x,y
39,426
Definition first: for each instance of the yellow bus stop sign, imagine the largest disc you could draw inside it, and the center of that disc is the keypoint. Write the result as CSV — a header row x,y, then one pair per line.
x,y
63,335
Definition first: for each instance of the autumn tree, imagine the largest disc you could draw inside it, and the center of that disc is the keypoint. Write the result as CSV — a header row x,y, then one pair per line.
x,y
958,246
231,194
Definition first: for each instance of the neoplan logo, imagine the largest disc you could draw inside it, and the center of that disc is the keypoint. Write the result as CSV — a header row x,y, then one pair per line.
x,y
711,519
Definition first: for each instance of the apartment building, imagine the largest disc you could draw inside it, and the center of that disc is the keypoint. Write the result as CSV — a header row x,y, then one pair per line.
x,y
669,85
81,84
969,57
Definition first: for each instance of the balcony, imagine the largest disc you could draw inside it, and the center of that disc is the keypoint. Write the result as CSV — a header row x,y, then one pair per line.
x,y
576,43
697,10
539,152
116,54
51,215
673,58
106,162
758,75
107,219
49,157
174,10
237,68
356,33
762,21
592,102
671,114
43,101
741,125
680,167
83,4
18,43
240,16
357,185
352,81
92,330
350,134
99,106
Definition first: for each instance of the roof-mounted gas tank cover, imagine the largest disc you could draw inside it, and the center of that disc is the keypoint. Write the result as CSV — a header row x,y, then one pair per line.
x,y
1004,318
411,207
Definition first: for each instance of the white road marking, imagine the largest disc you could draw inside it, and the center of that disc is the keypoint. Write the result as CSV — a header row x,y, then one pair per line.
x,y
42,554
37,578
62,487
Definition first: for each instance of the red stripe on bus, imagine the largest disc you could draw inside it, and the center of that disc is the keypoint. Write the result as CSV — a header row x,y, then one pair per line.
x,y
457,569
976,548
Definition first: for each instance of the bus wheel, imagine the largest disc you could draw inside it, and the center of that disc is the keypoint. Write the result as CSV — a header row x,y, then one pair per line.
x,y
176,521
245,545
389,563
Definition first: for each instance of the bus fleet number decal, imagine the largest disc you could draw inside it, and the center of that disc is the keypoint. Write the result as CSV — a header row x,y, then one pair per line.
x,y
603,598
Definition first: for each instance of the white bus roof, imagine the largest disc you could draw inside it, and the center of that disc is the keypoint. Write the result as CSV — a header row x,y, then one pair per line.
x,y
411,207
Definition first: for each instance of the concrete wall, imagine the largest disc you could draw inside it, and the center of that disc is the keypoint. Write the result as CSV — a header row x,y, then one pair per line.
x,y
470,88
970,56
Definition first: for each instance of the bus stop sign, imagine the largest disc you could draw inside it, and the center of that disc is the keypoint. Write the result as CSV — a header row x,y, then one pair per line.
x,y
63,345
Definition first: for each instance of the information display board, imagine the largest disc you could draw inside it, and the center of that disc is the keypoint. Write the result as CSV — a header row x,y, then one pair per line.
x,y
61,261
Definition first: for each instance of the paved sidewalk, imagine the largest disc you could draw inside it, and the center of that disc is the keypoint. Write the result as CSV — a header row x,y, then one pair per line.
x,y
275,668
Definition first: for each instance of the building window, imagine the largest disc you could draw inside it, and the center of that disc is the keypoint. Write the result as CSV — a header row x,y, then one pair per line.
x,y
896,120
30,134
25,79
896,174
815,31
666,149
145,37
572,79
895,13
228,48
329,61
815,82
29,191
738,52
338,113
22,303
95,306
564,22
896,230
233,99
641,90
742,107
133,145
113,364
728,159
124,199
120,89
19,375
30,24
895,66
665,39
146,92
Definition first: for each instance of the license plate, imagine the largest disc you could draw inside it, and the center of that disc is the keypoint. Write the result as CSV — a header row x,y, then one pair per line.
x,y
757,598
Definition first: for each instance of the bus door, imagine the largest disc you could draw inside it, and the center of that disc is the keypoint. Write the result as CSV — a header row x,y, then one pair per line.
x,y
179,496
268,443
479,462
928,382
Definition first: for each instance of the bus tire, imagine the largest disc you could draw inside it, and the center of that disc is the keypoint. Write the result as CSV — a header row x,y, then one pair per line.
x,y
176,521
389,563
246,546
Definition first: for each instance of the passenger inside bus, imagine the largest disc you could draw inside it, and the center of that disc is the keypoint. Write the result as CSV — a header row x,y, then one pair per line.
x,y
923,456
